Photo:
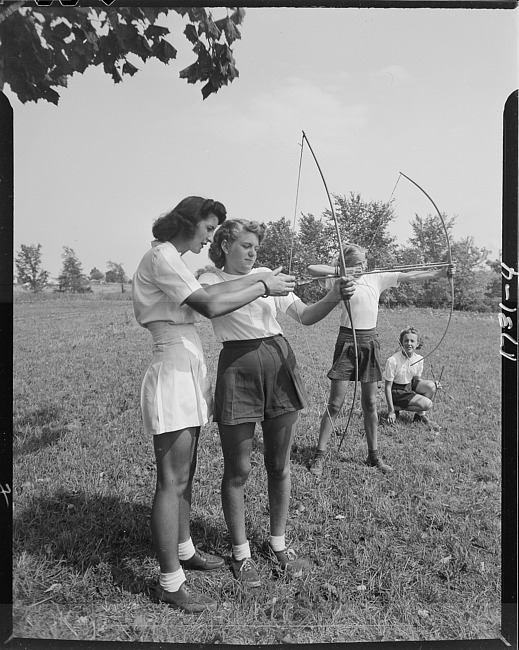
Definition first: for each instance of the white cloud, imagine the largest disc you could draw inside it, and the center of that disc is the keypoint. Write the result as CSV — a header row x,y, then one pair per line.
x,y
276,115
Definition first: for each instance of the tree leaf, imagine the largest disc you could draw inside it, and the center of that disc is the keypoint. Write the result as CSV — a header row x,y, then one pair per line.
x,y
208,89
61,31
231,31
190,74
164,51
130,69
155,31
191,34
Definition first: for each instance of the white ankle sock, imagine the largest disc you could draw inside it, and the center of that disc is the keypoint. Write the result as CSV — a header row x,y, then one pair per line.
x,y
172,581
241,551
277,542
186,550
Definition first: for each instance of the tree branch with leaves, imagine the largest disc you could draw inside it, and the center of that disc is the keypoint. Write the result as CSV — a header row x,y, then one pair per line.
x,y
42,47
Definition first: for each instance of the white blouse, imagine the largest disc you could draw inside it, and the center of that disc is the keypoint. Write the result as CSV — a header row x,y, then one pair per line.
x,y
400,369
161,284
253,321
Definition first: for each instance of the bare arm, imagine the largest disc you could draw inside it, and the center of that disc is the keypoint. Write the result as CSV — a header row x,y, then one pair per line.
x,y
391,417
319,270
211,303
421,276
343,288
244,281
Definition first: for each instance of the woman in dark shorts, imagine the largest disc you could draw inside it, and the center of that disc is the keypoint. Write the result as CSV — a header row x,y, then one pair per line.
x,y
364,308
258,381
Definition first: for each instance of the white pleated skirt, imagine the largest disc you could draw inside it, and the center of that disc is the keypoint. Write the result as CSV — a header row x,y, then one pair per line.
x,y
176,392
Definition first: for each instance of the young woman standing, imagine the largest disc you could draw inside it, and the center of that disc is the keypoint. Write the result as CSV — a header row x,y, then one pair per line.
x,y
176,395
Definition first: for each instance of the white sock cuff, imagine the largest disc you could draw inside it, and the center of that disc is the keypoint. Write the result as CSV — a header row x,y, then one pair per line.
x,y
186,550
172,581
277,542
241,551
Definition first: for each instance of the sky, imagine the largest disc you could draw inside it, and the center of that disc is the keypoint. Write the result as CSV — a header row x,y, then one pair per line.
x,y
377,91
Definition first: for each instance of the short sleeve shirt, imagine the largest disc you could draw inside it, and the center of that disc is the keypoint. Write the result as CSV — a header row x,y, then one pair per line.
x,y
364,302
253,321
161,284
400,369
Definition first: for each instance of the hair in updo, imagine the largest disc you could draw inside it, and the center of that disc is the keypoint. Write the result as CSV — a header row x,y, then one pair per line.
x,y
410,330
229,232
185,217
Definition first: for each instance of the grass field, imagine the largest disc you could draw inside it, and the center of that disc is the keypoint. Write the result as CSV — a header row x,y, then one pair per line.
x,y
413,556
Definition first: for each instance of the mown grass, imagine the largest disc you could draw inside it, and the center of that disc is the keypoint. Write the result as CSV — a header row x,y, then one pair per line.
x,y
412,556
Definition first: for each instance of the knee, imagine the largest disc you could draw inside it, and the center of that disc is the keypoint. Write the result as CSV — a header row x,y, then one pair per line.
x,y
369,406
276,470
174,484
333,407
426,403
236,474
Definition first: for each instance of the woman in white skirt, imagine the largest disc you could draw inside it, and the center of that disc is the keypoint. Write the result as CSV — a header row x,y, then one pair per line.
x,y
176,395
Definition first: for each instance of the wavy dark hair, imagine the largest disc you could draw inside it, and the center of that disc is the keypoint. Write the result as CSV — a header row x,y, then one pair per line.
x,y
185,217
229,231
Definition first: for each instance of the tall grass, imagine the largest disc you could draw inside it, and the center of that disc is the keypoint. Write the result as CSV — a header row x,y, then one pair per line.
x,y
414,555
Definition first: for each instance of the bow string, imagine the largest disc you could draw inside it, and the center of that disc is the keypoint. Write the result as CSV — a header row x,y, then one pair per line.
x,y
343,268
449,257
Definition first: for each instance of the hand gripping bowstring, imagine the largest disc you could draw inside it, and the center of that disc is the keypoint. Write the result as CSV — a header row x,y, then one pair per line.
x,y
346,302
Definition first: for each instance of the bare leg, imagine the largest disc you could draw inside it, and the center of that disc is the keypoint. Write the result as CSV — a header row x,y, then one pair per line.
x,y
423,400
338,390
185,502
277,440
236,443
369,410
175,454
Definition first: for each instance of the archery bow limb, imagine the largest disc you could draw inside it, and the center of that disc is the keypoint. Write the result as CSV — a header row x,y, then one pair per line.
x,y
449,256
346,302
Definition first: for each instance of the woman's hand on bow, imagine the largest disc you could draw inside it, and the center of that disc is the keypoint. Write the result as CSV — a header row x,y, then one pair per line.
x,y
344,288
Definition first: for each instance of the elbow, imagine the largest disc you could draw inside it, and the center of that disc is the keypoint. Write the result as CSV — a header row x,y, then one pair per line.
x,y
209,311
205,309
308,319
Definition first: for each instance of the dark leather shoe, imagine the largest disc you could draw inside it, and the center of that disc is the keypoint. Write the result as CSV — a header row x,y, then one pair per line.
x,y
379,464
201,561
185,599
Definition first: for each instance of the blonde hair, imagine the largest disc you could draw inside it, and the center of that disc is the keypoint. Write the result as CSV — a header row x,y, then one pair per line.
x,y
229,232
351,253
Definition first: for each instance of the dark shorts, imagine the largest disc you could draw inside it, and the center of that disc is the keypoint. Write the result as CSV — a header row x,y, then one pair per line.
x,y
402,394
257,380
368,348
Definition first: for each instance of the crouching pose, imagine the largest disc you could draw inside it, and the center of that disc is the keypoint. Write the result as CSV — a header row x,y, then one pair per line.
x,y
258,381
404,387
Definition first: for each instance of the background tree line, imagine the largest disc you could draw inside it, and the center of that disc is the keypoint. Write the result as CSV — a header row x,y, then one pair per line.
x,y
72,279
477,285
